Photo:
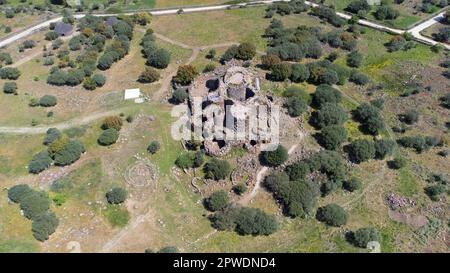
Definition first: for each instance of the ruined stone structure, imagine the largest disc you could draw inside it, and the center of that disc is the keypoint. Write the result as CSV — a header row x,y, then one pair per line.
x,y
228,91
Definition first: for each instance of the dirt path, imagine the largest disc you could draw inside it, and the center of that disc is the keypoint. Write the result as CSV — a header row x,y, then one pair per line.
x,y
259,178
61,126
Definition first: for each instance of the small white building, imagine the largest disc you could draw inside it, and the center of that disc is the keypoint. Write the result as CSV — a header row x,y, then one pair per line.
x,y
133,94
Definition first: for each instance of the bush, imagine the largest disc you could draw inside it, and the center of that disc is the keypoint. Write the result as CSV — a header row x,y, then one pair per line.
x,y
434,191
397,163
114,122
9,73
51,35
57,77
332,215
229,54
361,150
245,51
217,201
295,91
326,94
274,158
18,192
209,67
354,59
99,80
331,137
75,77
419,143
10,87
280,72
70,153
34,203
255,222
240,188
179,96
153,147
108,137
40,162
217,169
385,12
185,74
357,6
329,114
295,106
185,161
299,73
169,249
149,75
359,78
383,148
89,84
44,225
298,171
363,236
269,60
47,101
353,184
410,117
116,195
370,118
159,58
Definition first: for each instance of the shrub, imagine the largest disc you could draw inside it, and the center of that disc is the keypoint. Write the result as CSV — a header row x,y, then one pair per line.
x,y
108,137
211,53
295,106
5,59
397,163
185,75
353,184
51,35
149,75
295,91
44,225
240,188
419,143
255,222
385,12
153,147
245,51
229,54
298,171
274,158
10,87
40,162
357,6
280,72
361,150
70,153
179,96
9,73
57,77
47,101
18,192
370,118
75,77
185,161
114,122
217,169
89,84
159,58
383,148
329,163
269,60
325,93
34,203
217,201
363,236
169,249
434,191
332,215
209,67
331,137
329,114
99,79
359,78
410,117
354,59
116,195
299,73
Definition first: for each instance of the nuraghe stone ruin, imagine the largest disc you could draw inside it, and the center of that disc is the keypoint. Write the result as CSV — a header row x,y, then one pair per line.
x,y
232,89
